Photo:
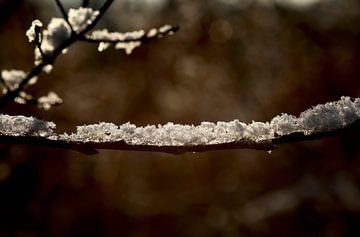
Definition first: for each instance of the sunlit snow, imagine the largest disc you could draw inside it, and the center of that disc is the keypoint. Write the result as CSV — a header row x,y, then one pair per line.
x,y
31,32
127,41
82,17
320,118
12,78
25,126
52,37
46,102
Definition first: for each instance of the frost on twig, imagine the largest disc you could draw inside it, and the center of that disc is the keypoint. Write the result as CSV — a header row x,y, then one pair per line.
x,y
320,121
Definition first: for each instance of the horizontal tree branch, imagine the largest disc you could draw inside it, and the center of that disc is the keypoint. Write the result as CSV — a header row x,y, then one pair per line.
x,y
91,147
338,118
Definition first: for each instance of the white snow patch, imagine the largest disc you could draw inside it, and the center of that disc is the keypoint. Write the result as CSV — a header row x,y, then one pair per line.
x,y
22,98
12,78
321,118
31,32
152,33
55,34
128,40
169,134
103,46
25,126
128,46
165,29
81,18
46,102
105,35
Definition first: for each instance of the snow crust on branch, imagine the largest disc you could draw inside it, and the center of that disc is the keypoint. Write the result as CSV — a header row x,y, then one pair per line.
x,y
321,118
128,40
25,126
119,39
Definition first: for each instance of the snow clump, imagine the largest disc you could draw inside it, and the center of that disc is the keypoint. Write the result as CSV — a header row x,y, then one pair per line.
x,y
12,78
32,31
81,18
25,126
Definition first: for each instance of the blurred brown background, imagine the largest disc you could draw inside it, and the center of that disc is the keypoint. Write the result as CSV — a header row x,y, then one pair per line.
x,y
243,59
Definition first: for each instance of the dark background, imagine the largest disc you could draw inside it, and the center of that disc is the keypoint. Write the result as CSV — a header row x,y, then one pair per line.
x,y
231,59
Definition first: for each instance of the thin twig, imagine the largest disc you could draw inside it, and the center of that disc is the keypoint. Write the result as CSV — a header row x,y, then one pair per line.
x,y
102,11
65,15
61,8
38,41
11,95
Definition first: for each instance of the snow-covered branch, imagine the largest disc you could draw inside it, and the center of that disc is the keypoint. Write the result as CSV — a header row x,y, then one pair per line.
x,y
129,40
59,35
324,120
